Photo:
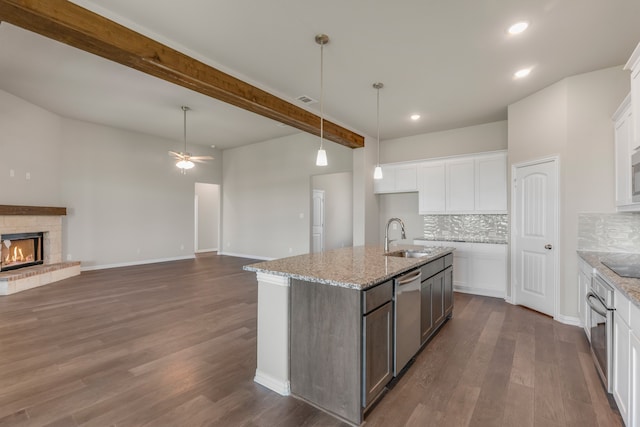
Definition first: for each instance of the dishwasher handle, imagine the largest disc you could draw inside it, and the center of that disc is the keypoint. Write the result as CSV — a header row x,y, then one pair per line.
x,y
409,277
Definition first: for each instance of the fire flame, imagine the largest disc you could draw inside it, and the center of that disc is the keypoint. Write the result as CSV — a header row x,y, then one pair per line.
x,y
17,256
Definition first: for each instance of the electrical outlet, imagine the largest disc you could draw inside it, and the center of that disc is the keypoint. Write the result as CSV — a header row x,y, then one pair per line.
x,y
69,257
12,173
28,176
290,250
182,247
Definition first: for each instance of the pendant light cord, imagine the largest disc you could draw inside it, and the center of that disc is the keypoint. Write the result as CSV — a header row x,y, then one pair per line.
x,y
321,95
184,124
378,122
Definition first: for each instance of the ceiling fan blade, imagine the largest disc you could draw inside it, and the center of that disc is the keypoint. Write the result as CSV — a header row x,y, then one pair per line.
x,y
176,154
201,158
198,160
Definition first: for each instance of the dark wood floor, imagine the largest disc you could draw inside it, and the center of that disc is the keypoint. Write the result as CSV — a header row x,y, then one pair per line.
x,y
173,344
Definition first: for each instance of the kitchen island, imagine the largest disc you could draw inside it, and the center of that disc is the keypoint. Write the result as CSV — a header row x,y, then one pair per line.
x,y
326,321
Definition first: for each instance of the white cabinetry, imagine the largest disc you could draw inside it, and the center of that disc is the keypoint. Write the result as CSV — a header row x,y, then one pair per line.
x,y
585,275
621,356
626,359
491,183
460,185
634,66
397,178
478,268
463,185
623,150
431,188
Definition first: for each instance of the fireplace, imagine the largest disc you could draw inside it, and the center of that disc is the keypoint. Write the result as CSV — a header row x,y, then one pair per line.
x,y
21,250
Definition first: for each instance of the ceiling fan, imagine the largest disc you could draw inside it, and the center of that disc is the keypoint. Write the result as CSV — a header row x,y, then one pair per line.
x,y
184,158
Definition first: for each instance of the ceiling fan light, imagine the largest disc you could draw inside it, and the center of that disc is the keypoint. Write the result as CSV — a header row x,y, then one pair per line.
x,y
185,164
321,158
377,172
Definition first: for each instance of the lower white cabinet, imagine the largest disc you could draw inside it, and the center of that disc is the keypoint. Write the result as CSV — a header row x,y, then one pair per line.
x,y
585,274
626,359
478,268
634,366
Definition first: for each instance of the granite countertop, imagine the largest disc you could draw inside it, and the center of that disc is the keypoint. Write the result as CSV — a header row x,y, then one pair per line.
x,y
491,240
357,267
628,286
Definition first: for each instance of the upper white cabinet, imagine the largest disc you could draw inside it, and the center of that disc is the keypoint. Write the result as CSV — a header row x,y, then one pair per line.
x,y
460,185
623,148
463,185
491,183
634,66
397,178
431,187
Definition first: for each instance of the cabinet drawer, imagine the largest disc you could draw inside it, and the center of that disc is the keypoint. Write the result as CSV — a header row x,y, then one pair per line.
x,y
374,297
621,304
432,268
448,260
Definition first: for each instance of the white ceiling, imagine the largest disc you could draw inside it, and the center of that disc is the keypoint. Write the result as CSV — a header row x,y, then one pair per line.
x,y
450,61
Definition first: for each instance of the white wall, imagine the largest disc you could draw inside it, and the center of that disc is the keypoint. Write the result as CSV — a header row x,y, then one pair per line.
x,y
572,119
30,142
123,192
338,208
471,139
266,198
208,216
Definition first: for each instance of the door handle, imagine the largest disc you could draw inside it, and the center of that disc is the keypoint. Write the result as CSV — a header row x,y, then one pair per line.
x,y
548,246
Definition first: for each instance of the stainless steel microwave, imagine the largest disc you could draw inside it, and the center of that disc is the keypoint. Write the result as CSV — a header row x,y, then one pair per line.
x,y
635,177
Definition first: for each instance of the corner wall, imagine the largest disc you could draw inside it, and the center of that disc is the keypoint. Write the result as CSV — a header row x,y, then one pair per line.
x,y
571,119
266,197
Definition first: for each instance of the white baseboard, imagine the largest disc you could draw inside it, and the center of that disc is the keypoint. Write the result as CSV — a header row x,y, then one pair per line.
x,y
202,251
283,388
478,291
509,300
132,263
568,320
246,256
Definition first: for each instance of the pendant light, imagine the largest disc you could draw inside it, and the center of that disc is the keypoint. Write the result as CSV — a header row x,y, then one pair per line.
x,y
321,158
377,172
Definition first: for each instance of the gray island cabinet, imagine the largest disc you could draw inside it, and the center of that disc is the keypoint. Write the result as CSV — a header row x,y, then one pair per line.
x,y
340,323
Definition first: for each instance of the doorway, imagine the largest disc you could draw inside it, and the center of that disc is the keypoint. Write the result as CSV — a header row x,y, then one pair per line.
x,y
317,222
207,217
534,235
331,218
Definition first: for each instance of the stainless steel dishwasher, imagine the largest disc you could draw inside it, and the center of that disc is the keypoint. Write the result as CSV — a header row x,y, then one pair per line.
x,y
407,319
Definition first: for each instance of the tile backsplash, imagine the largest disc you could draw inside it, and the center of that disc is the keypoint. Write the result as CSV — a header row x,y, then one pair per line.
x,y
466,227
618,232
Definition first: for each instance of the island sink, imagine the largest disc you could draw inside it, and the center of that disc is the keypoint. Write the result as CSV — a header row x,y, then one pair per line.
x,y
409,253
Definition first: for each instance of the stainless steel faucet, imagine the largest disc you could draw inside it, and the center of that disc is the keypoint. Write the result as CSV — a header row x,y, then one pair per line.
x,y
386,232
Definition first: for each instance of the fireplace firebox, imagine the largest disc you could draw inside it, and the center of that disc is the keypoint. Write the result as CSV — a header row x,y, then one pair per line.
x,y
21,250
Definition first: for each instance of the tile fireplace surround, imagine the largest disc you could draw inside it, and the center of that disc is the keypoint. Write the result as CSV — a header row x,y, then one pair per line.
x,y
22,219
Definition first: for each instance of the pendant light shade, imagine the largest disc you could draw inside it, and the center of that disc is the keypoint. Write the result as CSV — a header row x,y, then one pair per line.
x,y
377,172
321,158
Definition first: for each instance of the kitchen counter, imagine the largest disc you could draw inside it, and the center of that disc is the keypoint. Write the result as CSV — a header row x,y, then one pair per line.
x,y
357,267
628,286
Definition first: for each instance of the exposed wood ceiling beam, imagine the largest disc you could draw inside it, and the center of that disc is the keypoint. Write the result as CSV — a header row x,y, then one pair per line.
x,y
78,27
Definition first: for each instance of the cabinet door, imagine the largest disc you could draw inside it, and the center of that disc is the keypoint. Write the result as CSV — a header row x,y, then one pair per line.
x,y
634,378
460,189
621,366
426,324
491,183
635,104
437,299
377,359
623,147
406,178
431,188
448,291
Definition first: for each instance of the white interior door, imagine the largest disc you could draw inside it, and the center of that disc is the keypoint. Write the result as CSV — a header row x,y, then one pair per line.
x,y
317,225
535,235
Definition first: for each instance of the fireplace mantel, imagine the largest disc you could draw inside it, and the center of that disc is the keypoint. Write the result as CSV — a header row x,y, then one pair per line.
x,y
32,210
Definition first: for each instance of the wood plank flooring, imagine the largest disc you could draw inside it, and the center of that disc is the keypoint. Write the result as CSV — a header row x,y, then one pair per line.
x,y
174,344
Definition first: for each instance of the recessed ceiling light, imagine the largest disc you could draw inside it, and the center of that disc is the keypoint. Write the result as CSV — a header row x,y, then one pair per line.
x,y
521,73
518,27
415,117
